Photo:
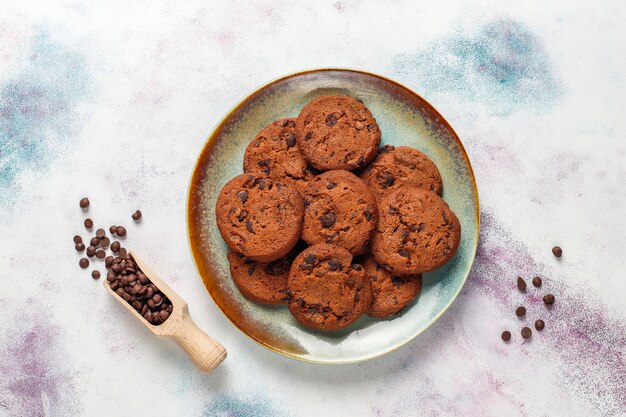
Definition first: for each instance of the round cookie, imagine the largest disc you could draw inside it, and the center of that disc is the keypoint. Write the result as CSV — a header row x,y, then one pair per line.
x,y
337,132
417,231
339,209
394,167
274,153
264,283
328,292
391,293
259,217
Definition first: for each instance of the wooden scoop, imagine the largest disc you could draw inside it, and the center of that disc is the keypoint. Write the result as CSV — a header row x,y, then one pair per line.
x,y
203,350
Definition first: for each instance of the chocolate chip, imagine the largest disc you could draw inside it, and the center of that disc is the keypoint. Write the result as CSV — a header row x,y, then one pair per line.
x,y
261,184
557,251
242,215
506,335
88,223
310,258
265,163
331,119
404,252
120,231
78,239
136,215
521,284
520,311
100,233
84,263
334,265
368,215
84,203
91,251
389,179
105,242
123,253
526,332
539,325
420,227
291,140
537,282
360,162
330,185
444,217
108,261
115,246
305,266
397,281
548,299
328,219
95,274
95,241
80,246
249,226
100,254
113,229
308,136
357,267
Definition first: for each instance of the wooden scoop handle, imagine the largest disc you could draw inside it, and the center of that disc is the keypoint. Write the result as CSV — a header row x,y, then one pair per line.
x,y
203,350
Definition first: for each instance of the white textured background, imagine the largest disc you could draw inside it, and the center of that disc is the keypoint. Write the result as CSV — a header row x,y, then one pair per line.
x,y
114,100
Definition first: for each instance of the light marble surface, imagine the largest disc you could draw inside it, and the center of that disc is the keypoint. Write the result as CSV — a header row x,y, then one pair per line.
x,y
114,100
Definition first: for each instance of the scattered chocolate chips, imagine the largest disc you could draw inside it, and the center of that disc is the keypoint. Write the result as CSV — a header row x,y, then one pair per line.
x,y
100,254
84,203
84,263
548,299
526,332
78,239
521,284
105,242
95,241
91,251
537,282
136,215
80,246
113,229
120,231
123,253
328,219
334,265
310,259
506,335
520,311
88,223
100,233
95,274
115,246
539,325
108,261
557,251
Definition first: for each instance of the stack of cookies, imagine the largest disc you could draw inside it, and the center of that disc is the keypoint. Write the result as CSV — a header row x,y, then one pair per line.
x,y
329,223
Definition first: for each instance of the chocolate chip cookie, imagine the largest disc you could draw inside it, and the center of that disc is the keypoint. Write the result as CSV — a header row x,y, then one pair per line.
x,y
328,291
264,283
339,209
394,167
337,132
259,217
391,292
417,231
274,153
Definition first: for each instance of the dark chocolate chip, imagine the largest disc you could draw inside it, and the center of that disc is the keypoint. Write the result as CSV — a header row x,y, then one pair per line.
x,y
526,332
404,252
100,233
80,246
120,231
537,282
310,258
357,267
331,119
108,261
305,266
100,254
557,251
360,162
95,241
539,325
520,311
330,185
115,246
88,223
308,136
506,335
95,274
389,179
521,284
548,299
368,215
91,251
262,184
105,242
136,215
291,140
249,226
397,281
84,203
84,263
328,219
420,227
334,265
112,229
78,239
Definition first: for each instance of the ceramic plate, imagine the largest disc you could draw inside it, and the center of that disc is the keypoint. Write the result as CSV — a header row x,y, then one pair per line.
x,y
405,119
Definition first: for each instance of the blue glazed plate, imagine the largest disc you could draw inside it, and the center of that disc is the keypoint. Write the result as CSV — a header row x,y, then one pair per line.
x,y
405,119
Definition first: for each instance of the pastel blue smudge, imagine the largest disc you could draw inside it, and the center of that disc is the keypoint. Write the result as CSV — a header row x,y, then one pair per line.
x,y
228,405
38,116
503,65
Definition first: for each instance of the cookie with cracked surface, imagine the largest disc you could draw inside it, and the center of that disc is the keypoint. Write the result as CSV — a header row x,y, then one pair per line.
x,y
260,282
394,167
259,217
417,231
337,132
391,292
339,209
274,153
328,291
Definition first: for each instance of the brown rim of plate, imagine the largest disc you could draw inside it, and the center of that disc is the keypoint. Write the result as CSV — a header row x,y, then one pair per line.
x,y
191,214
